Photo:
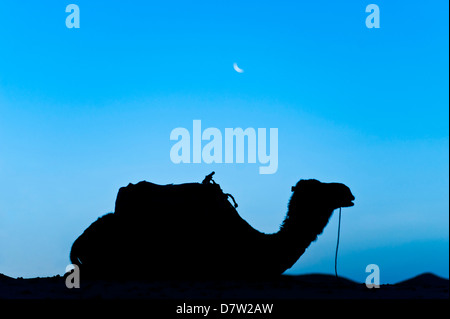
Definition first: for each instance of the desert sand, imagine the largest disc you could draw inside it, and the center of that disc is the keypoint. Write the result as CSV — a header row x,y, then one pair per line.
x,y
313,286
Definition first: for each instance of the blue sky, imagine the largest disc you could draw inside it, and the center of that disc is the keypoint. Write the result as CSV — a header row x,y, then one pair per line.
x,y
86,111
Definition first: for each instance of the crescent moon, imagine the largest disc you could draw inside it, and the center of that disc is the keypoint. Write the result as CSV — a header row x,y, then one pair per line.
x,y
237,69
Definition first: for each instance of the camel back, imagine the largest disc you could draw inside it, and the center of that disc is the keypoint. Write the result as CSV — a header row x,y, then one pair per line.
x,y
145,200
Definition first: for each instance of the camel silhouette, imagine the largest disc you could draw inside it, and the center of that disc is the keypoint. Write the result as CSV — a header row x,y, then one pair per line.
x,y
193,231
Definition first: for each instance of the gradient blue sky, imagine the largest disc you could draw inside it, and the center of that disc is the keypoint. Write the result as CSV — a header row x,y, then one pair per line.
x,y
86,111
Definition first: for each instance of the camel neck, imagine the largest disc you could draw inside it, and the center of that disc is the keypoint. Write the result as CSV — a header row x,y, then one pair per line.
x,y
297,232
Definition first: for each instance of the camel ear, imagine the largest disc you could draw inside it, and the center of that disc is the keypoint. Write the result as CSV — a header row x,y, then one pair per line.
x,y
293,188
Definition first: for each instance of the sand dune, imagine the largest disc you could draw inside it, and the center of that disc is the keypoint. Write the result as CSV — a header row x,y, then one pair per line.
x,y
314,286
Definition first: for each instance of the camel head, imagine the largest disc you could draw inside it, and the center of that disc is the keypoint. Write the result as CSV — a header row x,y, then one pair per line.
x,y
332,195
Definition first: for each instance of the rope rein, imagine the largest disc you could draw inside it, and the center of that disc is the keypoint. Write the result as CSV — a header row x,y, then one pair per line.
x,y
337,244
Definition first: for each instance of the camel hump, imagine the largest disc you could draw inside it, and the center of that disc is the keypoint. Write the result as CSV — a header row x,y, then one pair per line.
x,y
146,199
